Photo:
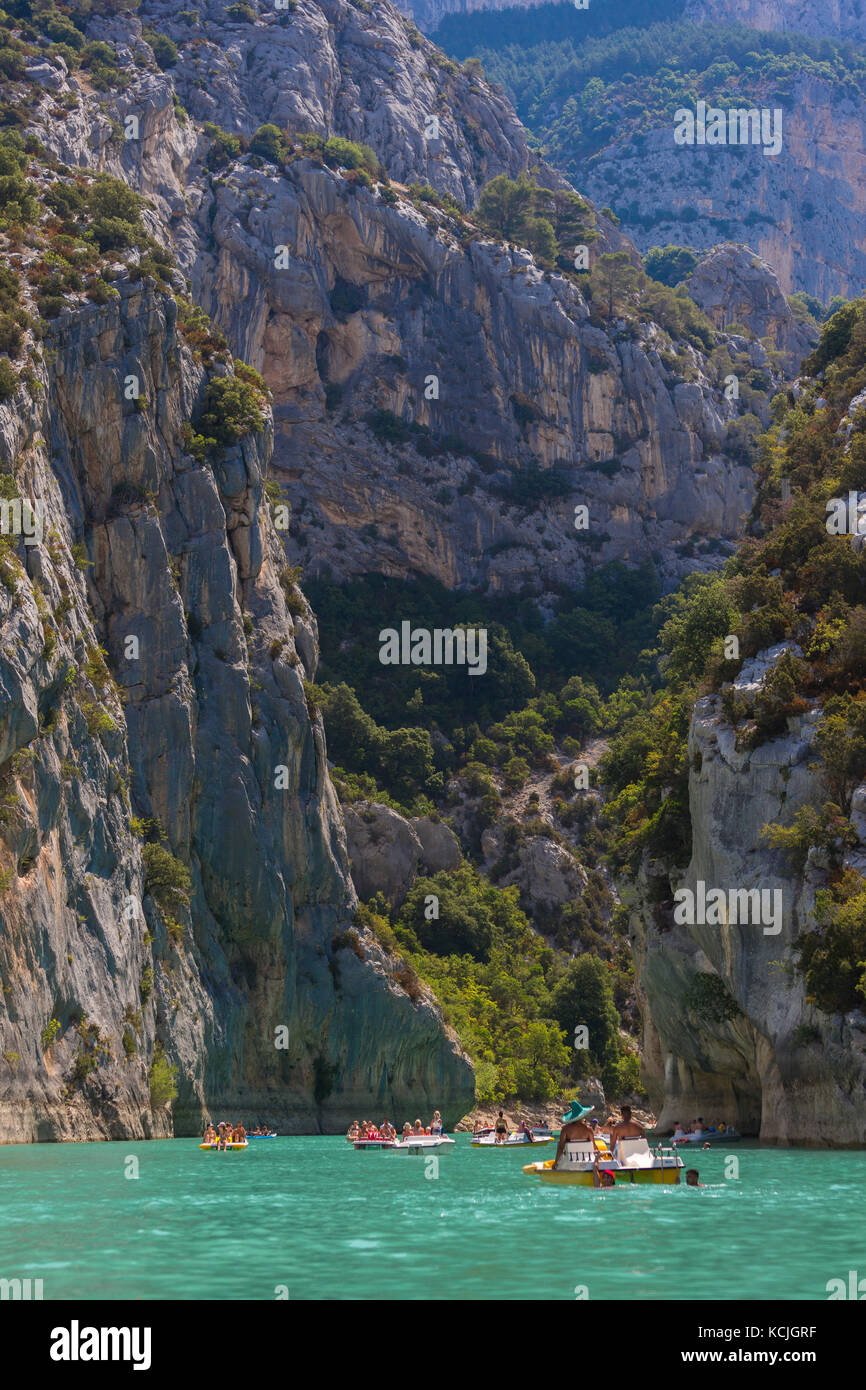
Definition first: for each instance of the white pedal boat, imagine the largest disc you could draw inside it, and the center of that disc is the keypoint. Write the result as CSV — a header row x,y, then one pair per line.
x,y
414,1143
486,1139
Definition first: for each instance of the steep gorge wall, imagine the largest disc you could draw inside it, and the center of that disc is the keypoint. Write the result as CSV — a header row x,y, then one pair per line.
x,y
190,734
729,1032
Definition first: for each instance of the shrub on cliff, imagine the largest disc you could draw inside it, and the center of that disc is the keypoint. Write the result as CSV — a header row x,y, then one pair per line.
x,y
670,264
833,959
269,143
167,879
163,48
231,409
162,1078
548,222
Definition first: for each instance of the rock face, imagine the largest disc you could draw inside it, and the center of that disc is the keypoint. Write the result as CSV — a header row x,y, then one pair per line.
x,y
386,851
349,303
801,212
339,69
728,1031
545,872
428,14
195,719
832,19
732,285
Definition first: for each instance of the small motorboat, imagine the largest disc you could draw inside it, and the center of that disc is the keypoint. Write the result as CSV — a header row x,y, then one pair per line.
x,y
224,1147
262,1136
713,1136
633,1162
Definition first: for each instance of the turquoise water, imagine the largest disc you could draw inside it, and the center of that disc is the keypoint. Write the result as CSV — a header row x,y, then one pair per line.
x,y
326,1222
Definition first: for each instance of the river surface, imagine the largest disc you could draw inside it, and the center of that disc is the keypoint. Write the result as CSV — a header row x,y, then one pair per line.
x,y
310,1218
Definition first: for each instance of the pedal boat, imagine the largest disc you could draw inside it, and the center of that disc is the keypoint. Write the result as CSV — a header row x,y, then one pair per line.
x,y
415,1143
632,1162
486,1139
227,1147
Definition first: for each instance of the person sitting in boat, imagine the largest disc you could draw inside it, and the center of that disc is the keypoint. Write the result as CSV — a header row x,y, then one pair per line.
x,y
388,1131
679,1133
574,1127
210,1134
407,1130
240,1134
500,1128
526,1131
436,1123
626,1129
353,1131
419,1128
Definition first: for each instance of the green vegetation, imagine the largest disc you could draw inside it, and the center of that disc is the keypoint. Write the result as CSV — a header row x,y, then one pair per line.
x,y
670,264
549,223
513,1000
49,1033
167,879
163,1080
792,581
232,407
424,741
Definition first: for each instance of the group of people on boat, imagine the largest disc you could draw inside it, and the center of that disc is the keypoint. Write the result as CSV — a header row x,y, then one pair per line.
x,y
386,1132
225,1134
693,1133
501,1130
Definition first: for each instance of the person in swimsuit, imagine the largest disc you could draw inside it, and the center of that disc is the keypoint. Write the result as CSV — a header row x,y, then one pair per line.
x,y
436,1125
626,1129
501,1128
574,1127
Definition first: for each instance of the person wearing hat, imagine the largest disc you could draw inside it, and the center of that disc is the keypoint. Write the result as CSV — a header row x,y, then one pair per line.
x,y
574,1127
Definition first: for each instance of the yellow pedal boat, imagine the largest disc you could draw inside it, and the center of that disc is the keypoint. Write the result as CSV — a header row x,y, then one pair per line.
x,y
227,1146
634,1162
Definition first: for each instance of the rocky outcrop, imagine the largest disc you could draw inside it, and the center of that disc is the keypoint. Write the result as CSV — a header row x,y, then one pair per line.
x,y
732,285
545,872
728,1030
387,852
440,848
153,682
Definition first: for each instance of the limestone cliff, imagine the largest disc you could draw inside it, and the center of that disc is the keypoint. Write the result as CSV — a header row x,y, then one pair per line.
x,y
372,298
729,1032
153,676
835,19
801,211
